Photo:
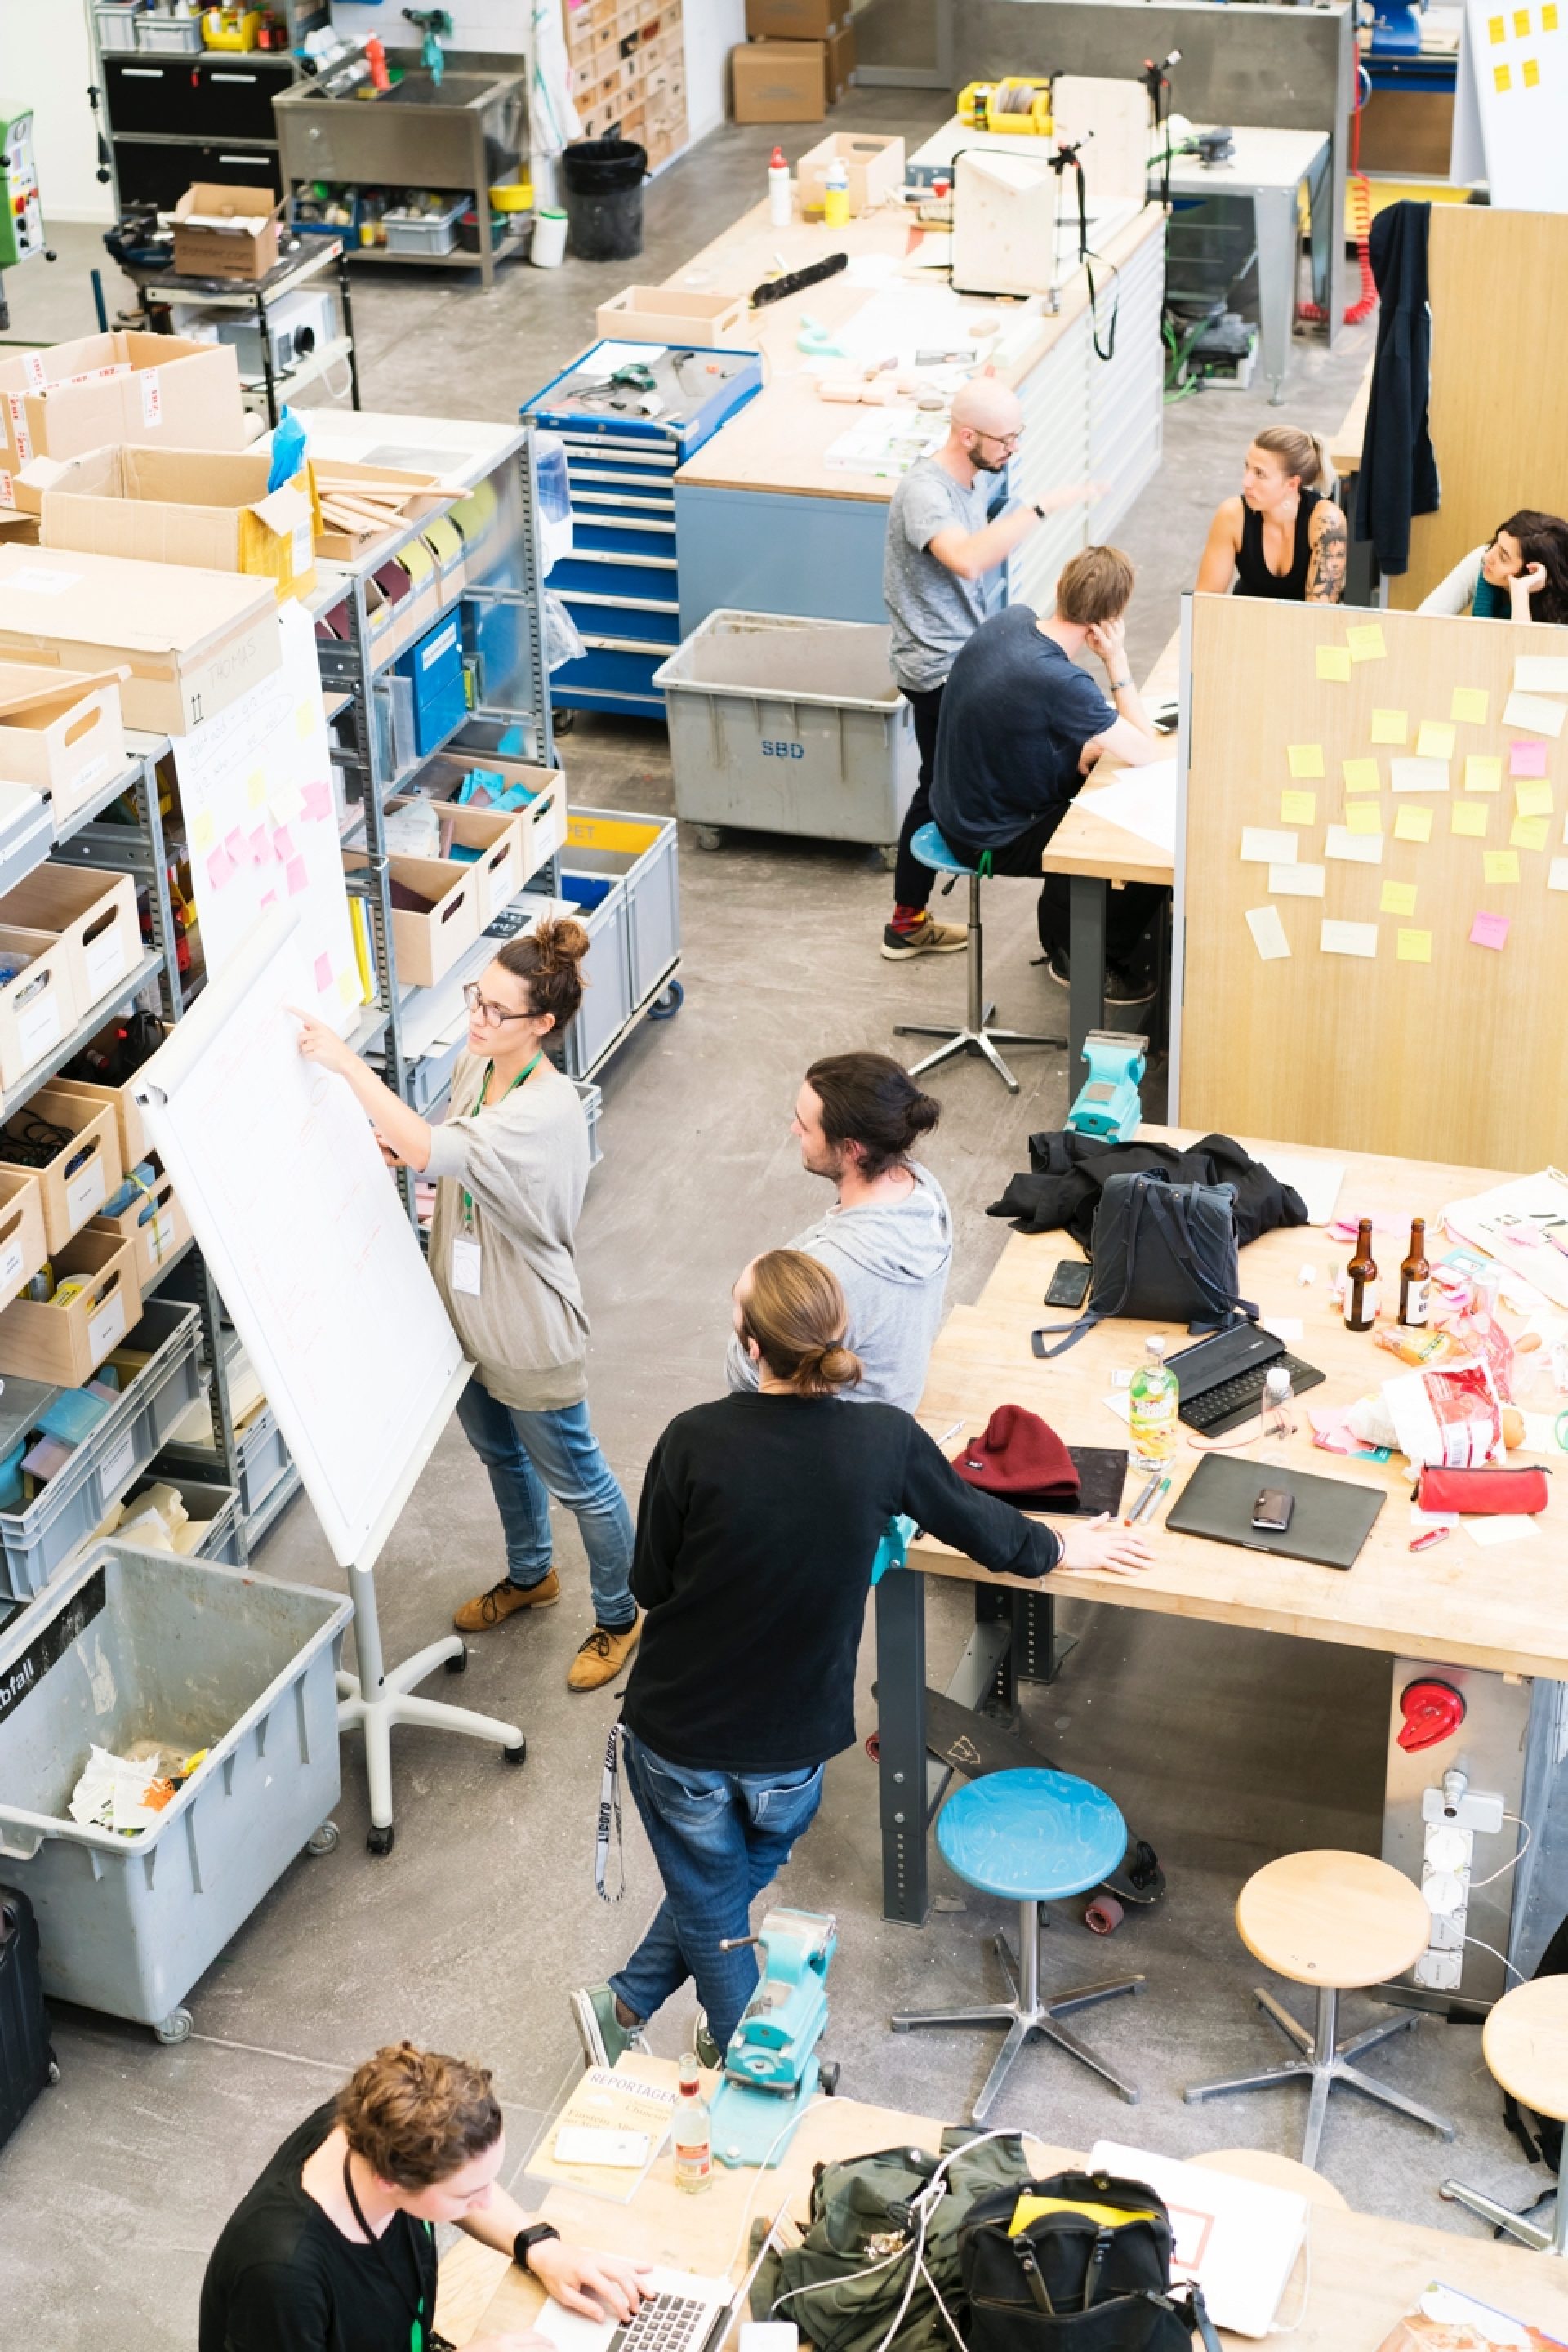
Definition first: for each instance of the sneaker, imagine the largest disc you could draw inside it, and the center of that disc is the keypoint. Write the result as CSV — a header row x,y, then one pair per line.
x,y
928,938
1129,987
709,2053
599,2030
503,1600
1058,968
602,1654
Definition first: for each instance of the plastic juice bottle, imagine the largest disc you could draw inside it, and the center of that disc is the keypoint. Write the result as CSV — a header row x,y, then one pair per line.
x,y
1152,1424
692,2133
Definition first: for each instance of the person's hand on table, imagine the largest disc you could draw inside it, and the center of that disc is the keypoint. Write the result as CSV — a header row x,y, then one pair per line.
x,y
318,1043
1108,639
598,2285
1106,1543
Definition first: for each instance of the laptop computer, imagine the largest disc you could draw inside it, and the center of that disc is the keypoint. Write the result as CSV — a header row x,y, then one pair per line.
x,y
1221,1378
1330,1519
684,2313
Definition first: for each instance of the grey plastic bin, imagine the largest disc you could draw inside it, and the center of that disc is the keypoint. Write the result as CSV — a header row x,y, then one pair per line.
x,y
140,1644
790,726
217,1508
626,871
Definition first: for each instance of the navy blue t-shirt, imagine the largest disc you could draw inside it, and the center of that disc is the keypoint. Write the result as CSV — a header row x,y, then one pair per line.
x,y
1016,716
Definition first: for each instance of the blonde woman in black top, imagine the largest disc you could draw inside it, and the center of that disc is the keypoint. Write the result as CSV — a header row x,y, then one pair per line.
x,y
1284,536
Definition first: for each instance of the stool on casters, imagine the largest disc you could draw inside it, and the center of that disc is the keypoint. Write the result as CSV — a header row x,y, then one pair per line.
x,y
1525,2042
932,850
1037,1836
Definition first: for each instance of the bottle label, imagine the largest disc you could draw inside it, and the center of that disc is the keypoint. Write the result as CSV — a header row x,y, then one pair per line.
x,y
693,2159
1361,1304
1417,1298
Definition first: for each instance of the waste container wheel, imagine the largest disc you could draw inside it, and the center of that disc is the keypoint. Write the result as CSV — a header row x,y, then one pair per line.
x,y
324,1840
827,2076
54,2071
460,1664
710,837
563,719
175,2028
668,1002
518,1755
380,1841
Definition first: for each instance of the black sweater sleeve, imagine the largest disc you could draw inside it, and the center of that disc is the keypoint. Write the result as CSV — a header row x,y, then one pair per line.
x,y
980,1526
661,1517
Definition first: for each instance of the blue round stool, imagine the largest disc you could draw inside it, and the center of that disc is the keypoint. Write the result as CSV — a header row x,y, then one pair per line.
x,y
1034,1837
932,850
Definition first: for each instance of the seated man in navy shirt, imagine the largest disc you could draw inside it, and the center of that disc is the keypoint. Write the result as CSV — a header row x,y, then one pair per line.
x,y
1022,726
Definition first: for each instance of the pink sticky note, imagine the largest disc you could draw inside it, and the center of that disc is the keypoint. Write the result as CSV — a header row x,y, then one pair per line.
x,y
269,899
282,844
220,867
318,800
234,842
1489,931
1527,758
294,875
324,971
258,845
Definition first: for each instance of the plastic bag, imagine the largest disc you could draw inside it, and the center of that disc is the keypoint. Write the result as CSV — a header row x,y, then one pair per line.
x,y
1448,1420
561,636
554,506
287,451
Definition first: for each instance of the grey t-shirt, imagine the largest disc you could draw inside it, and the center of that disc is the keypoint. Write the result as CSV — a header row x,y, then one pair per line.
x,y
933,612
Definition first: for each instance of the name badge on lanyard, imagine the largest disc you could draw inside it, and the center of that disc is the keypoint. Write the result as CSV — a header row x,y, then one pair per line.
x,y
466,1257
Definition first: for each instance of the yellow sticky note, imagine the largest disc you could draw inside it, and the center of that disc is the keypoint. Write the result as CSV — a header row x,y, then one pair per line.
x,y
1469,817
255,788
1412,947
1471,704
1501,80
1549,16
1533,797
1398,899
1365,642
1361,775
1434,740
1499,865
1306,759
1483,773
1497,30
1390,727
1363,817
1334,663
1527,832
1532,73
306,718
1298,808
349,988
204,832
1522,23
1413,824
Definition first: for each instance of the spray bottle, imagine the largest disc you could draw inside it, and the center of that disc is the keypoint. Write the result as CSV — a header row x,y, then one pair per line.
x,y
778,190
836,194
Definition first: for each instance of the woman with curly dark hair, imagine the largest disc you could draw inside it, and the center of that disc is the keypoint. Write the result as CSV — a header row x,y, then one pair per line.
x,y
1521,575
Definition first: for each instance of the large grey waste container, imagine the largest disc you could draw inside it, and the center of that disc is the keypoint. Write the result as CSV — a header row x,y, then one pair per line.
x,y
135,1644
789,726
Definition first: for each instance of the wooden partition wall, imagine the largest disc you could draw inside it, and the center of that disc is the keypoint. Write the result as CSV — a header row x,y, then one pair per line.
x,y
1463,1059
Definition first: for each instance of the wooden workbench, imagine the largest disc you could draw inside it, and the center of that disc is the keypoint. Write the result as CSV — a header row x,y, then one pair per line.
x,y
1365,2272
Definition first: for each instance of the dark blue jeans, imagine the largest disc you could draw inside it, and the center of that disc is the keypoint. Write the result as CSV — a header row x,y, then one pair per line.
x,y
529,1457
718,1838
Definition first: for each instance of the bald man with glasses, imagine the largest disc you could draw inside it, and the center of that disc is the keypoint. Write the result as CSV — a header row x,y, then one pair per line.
x,y
939,547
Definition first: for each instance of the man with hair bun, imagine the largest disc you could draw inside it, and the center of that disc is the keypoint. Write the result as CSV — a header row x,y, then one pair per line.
x,y
940,548
333,2247
888,1236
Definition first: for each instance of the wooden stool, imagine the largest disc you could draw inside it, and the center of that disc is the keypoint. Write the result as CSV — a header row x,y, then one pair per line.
x,y
1525,2042
1270,2171
1338,1922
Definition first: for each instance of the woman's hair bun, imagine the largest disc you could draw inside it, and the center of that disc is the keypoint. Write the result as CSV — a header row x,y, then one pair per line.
x,y
560,941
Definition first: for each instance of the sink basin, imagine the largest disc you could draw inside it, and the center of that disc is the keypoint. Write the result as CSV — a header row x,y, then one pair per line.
x,y
467,133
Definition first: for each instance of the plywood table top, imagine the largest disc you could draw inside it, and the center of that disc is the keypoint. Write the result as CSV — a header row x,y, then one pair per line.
x,y
1086,843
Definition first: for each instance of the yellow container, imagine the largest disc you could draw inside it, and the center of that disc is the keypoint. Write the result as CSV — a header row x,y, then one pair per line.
x,y
1018,102
230,28
835,207
516,197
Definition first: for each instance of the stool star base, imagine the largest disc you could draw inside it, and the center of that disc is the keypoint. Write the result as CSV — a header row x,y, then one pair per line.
x,y
974,1034
1517,2225
1323,2063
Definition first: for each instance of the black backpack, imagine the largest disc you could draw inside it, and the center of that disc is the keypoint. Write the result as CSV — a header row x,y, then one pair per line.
x,y
1090,2273
1540,2136
1162,1253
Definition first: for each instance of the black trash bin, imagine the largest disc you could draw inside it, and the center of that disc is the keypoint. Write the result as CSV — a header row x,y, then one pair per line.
x,y
603,181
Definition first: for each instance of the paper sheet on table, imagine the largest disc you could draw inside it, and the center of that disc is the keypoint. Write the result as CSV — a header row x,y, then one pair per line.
x,y
1529,710
1541,674
1499,1530
1141,800
1317,1181
1510,1223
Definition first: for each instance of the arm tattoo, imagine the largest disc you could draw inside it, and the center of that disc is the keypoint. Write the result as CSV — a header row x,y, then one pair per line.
x,y
1326,572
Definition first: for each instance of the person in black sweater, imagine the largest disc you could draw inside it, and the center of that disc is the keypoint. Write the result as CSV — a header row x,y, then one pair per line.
x,y
760,1520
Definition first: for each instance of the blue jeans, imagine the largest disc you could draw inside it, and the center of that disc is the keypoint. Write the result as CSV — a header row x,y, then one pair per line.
x,y
718,1838
529,1457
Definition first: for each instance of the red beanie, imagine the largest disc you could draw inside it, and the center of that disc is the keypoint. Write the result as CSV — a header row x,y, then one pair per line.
x,y
1021,1458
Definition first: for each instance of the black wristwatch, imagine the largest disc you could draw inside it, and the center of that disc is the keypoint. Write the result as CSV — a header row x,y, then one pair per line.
x,y
523,2245
1038,509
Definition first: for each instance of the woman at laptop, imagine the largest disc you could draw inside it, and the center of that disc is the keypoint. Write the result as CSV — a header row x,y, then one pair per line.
x,y
333,2248
760,1520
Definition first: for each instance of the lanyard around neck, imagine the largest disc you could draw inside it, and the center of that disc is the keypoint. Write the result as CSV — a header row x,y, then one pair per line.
x,y
527,1072
417,2305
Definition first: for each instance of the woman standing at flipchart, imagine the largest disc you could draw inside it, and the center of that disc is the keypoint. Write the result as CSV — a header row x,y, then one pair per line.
x,y
510,1164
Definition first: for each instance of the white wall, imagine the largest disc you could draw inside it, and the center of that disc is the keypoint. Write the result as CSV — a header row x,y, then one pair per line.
x,y
498,26
46,63
712,29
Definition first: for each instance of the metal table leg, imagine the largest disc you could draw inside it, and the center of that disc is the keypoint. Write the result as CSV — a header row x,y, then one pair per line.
x,y
1087,895
901,1736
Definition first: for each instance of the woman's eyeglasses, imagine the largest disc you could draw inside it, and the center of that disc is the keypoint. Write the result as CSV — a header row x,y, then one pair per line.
x,y
493,1013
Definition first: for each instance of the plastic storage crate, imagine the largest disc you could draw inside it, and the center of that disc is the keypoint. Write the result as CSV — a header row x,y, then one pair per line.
x,y
781,725
621,871
35,1541
170,35
419,233
217,1508
145,1643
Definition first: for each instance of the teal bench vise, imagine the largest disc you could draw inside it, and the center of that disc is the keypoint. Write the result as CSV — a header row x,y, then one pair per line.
x,y
1108,1101
772,2069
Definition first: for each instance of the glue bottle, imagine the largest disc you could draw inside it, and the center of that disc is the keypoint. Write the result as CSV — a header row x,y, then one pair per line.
x,y
693,2132
836,194
778,190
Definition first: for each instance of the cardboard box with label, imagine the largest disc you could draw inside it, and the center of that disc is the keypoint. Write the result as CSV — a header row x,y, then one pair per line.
x,y
119,387
155,1225
82,1174
93,914
132,1132
23,1248
210,509
226,231
794,20
37,1002
61,733
193,641
779,81
42,1341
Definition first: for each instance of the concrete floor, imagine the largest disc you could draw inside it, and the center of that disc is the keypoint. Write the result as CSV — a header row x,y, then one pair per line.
x,y
1225,1747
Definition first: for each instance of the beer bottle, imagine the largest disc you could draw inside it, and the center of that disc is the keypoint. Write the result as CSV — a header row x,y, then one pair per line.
x,y
1360,1281
1416,1279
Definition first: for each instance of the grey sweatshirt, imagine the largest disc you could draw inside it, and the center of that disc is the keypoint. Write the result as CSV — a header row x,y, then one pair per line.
x,y
891,1257
525,1162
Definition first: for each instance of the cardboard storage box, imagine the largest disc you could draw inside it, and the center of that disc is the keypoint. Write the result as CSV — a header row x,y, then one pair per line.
x,y
209,509
38,1006
119,387
841,64
665,314
226,231
194,641
61,732
154,1225
875,167
23,1247
353,519
794,20
46,1342
779,81
427,945
129,1125
94,914
82,1175
497,835
542,819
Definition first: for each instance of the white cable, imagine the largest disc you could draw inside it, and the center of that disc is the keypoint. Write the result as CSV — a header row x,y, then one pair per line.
x,y
1513,1861
1277,2329
799,2117
936,2292
1496,1955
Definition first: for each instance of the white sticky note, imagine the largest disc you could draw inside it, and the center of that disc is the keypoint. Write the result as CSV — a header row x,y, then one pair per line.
x,y
1259,846
1302,881
1528,710
1359,848
1503,1529
1284,1327
1557,878
1541,674
1348,938
1418,775
1268,933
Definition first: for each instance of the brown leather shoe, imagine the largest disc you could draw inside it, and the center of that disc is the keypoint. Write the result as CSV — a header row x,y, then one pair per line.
x,y
601,1655
503,1600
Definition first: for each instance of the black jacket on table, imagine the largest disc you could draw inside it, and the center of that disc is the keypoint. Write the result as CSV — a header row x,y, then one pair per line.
x,y
759,1522
1398,468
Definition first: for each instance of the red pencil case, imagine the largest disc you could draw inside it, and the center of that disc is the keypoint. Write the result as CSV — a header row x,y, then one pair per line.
x,y
1478,1493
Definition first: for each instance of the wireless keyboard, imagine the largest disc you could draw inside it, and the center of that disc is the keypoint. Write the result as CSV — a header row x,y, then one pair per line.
x,y
1231,1401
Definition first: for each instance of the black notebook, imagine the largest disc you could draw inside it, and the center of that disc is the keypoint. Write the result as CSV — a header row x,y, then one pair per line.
x,y
1331,1519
